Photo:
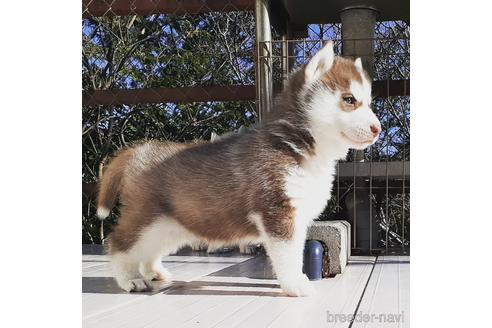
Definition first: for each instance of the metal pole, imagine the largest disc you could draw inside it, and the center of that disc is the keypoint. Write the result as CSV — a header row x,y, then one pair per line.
x,y
264,86
285,58
358,24
287,52
358,27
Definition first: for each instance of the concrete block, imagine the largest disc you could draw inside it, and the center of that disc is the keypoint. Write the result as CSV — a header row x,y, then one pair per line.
x,y
336,236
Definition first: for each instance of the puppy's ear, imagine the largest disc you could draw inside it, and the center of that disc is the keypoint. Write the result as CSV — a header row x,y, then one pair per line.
x,y
358,64
320,63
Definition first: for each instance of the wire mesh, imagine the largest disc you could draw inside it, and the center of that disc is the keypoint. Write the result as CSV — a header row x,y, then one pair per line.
x,y
145,64
372,192
193,45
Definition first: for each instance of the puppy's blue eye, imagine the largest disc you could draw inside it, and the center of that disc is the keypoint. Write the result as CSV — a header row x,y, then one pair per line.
x,y
349,100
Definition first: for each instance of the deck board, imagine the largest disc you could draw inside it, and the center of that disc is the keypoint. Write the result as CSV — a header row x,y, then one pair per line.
x,y
337,295
241,291
388,292
103,298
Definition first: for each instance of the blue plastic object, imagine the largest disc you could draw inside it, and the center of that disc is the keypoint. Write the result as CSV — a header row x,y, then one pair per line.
x,y
313,259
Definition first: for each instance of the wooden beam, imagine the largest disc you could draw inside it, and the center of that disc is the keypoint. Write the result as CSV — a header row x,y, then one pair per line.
x,y
109,8
391,88
380,88
168,95
378,170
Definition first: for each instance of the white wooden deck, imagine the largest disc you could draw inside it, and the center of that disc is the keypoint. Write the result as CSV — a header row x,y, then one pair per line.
x,y
239,291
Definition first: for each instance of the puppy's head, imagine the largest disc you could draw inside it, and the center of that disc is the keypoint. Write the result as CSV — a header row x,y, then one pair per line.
x,y
337,99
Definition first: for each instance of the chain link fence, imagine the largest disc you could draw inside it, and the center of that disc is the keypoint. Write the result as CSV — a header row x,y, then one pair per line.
x,y
180,70
169,70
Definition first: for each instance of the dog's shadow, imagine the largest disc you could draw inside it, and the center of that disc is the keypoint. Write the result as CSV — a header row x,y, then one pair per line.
x,y
107,285
214,288
255,268
258,267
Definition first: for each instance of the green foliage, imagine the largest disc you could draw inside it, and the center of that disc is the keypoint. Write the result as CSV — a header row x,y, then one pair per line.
x,y
160,51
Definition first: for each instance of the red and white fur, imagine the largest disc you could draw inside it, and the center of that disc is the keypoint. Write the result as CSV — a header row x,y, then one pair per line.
x,y
275,178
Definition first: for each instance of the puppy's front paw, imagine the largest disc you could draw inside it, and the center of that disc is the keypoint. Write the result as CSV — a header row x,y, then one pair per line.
x,y
298,287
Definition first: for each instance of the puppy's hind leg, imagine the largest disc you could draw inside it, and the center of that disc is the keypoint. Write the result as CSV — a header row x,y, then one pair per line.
x,y
126,273
154,270
141,263
126,260
165,236
125,251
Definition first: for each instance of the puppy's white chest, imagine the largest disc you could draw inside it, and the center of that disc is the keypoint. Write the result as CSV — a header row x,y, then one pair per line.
x,y
309,188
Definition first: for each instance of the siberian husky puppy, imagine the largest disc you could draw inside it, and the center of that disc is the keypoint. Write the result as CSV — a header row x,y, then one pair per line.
x,y
267,183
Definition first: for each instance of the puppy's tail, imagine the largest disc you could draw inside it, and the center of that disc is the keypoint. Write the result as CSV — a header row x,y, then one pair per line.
x,y
110,183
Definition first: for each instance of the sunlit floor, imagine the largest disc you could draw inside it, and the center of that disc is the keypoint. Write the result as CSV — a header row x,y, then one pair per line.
x,y
233,290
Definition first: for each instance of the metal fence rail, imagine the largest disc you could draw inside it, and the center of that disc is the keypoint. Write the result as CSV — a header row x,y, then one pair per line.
x,y
109,8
